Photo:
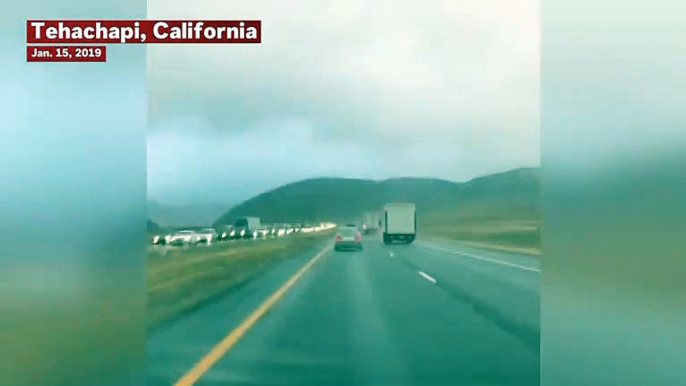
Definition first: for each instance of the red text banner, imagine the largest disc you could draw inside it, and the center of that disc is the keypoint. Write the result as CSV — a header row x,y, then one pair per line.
x,y
66,54
142,31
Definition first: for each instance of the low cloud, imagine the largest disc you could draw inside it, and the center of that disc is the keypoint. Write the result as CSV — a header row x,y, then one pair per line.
x,y
368,89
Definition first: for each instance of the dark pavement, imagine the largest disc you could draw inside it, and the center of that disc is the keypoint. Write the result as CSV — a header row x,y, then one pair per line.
x,y
423,314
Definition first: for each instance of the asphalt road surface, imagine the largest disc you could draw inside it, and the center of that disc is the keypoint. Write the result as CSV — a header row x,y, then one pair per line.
x,y
428,313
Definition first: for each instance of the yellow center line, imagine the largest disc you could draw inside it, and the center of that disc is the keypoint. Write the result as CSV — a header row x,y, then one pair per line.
x,y
194,374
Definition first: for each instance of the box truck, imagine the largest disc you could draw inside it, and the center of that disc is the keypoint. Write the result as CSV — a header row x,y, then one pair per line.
x,y
399,223
246,227
371,221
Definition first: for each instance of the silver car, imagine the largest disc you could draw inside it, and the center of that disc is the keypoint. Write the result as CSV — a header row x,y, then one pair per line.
x,y
348,238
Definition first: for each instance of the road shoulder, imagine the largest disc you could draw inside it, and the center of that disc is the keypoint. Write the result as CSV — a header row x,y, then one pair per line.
x,y
533,252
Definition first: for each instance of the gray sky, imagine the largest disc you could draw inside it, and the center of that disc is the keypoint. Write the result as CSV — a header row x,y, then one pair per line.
x,y
347,88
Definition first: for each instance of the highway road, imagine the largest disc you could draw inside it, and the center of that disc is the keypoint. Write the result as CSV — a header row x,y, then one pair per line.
x,y
430,313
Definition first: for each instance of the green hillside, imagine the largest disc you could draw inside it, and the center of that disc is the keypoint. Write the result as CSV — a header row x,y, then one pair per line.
x,y
500,209
152,226
340,198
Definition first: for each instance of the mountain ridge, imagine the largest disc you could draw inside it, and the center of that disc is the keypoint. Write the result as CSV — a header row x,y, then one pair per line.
x,y
333,198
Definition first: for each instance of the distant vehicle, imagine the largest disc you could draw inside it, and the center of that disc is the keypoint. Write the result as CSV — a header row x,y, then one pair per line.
x,y
400,223
279,230
182,238
246,227
208,235
231,232
263,231
224,233
160,239
284,229
371,222
272,230
348,238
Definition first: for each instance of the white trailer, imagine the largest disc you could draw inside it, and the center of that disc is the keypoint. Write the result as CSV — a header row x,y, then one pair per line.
x,y
399,222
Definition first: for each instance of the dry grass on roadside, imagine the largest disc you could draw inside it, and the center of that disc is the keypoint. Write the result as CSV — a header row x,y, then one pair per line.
x,y
182,279
511,228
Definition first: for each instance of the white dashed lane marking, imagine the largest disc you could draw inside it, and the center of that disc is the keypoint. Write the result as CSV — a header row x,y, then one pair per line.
x,y
427,277
495,261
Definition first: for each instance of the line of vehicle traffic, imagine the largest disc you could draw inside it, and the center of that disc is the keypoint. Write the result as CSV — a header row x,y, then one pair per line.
x,y
245,228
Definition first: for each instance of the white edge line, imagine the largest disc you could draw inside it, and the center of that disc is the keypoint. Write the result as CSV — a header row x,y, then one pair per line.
x,y
501,262
427,277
